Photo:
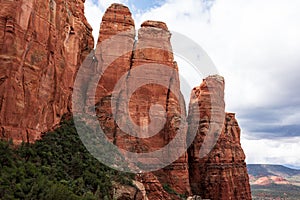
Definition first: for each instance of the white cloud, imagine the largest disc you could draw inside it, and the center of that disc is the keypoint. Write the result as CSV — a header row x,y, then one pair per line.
x,y
293,118
266,151
251,42
94,13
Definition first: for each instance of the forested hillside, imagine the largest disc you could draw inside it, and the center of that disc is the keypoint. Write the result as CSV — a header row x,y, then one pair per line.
x,y
56,167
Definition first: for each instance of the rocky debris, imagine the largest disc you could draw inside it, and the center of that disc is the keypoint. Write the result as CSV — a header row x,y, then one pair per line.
x,y
195,197
153,187
140,186
220,173
127,192
42,44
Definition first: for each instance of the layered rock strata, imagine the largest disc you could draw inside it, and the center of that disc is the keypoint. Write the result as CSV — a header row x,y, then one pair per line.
x,y
42,44
138,101
147,101
217,165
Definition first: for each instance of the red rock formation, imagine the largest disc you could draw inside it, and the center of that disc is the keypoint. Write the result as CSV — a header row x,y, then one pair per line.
x,y
153,47
114,61
219,174
141,65
42,44
132,64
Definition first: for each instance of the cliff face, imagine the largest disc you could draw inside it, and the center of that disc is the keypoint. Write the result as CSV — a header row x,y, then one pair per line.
x,y
220,173
214,166
149,76
42,44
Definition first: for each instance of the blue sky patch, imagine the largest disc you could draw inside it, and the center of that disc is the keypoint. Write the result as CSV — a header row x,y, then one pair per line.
x,y
144,5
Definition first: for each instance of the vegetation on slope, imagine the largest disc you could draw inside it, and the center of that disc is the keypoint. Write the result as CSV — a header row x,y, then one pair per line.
x,y
274,191
56,167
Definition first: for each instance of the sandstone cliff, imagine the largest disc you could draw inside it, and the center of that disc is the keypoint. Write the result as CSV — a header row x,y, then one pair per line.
x,y
145,64
217,165
217,174
42,44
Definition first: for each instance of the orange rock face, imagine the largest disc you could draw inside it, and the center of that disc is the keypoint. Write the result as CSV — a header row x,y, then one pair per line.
x,y
147,102
113,61
42,44
138,101
220,173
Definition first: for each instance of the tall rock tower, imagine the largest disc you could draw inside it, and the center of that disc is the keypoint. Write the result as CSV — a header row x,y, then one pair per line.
x,y
217,165
141,65
43,44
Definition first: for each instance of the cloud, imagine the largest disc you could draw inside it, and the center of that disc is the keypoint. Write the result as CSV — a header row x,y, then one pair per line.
x,y
256,46
268,151
94,12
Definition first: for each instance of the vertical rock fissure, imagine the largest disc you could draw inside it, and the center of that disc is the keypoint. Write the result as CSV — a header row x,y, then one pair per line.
x,y
131,61
168,95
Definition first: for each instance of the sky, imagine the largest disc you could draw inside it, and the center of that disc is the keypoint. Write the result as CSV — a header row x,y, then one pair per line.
x,y
255,45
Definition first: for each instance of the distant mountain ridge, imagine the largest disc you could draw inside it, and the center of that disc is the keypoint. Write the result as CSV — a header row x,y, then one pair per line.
x,y
267,170
274,181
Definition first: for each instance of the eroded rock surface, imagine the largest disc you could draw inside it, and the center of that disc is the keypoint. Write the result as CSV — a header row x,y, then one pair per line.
x,y
221,173
148,75
42,44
